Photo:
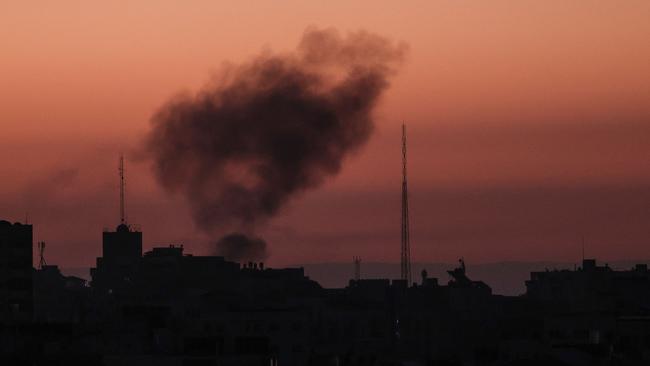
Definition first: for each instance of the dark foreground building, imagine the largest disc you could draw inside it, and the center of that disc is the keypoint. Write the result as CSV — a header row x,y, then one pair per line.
x,y
16,304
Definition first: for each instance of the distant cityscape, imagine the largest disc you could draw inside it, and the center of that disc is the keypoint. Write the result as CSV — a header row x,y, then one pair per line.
x,y
169,307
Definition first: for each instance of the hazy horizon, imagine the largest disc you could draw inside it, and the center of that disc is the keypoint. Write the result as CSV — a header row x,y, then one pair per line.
x,y
505,278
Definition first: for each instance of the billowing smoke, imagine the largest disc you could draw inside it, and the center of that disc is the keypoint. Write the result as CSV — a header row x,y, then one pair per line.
x,y
264,131
241,248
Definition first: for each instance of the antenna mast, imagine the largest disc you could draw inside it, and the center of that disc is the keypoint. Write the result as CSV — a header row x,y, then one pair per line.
x,y
41,254
406,245
122,186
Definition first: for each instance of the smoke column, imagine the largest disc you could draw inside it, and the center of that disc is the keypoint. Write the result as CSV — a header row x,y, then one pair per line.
x,y
241,248
262,132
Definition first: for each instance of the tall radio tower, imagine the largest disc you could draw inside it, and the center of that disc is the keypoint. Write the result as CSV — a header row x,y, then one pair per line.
x,y
122,186
406,245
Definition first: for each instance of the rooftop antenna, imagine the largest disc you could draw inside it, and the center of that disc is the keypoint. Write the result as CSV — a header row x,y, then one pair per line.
x,y
406,245
122,187
583,248
41,254
357,268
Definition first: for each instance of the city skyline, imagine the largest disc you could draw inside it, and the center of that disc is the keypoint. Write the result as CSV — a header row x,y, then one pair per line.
x,y
294,183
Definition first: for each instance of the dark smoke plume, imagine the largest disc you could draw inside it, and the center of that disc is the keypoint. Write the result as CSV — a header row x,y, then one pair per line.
x,y
241,248
264,131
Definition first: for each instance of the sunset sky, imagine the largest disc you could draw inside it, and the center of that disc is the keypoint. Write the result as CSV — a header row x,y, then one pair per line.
x,y
528,125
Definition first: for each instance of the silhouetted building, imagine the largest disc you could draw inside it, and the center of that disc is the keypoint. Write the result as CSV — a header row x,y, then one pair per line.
x,y
59,298
166,272
121,254
594,288
16,303
599,310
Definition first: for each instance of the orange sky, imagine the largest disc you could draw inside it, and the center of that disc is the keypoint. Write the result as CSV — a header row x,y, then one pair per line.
x,y
529,124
